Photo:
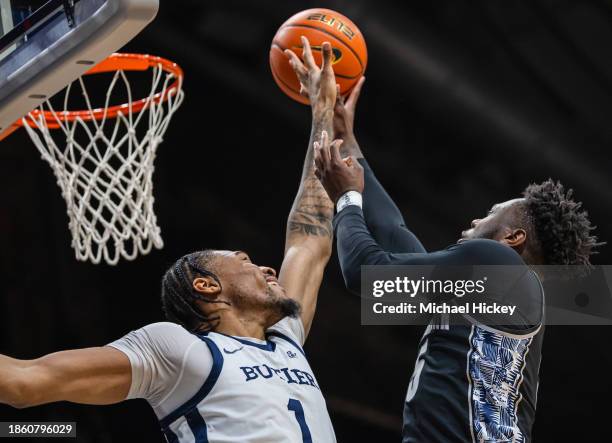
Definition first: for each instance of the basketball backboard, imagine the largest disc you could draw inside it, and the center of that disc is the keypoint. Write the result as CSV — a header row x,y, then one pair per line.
x,y
46,44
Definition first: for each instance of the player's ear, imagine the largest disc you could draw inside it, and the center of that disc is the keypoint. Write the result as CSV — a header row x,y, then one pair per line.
x,y
515,238
207,286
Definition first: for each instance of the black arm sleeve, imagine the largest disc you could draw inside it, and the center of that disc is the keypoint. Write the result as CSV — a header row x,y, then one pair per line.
x,y
357,247
383,217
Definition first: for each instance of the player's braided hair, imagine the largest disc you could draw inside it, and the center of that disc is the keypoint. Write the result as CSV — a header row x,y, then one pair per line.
x,y
179,297
562,227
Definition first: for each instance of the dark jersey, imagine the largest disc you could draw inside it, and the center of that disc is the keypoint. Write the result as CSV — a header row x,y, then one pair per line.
x,y
471,382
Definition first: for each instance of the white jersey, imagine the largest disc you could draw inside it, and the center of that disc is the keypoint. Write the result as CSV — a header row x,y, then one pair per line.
x,y
216,388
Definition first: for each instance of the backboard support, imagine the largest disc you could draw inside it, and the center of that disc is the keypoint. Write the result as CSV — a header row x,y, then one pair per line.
x,y
42,54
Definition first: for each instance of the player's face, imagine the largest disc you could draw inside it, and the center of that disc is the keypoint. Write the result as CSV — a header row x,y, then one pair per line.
x,y
500,217
249,284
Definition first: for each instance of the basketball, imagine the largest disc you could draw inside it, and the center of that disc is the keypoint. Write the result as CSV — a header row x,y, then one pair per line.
x,y
350,55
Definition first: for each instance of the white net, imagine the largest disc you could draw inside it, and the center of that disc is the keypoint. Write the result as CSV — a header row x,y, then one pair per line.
x,y
105,167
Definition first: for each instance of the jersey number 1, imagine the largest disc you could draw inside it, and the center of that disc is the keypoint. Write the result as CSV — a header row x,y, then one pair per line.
x,y
296,407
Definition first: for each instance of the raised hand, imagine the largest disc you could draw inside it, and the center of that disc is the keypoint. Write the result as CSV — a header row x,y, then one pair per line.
x,y
317,84
344,112
337,175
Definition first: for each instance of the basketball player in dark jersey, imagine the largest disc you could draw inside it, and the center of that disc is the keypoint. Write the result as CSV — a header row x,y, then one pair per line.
x,y
472,381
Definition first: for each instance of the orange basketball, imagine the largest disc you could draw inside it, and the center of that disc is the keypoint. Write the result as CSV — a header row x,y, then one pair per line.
x,y
350,55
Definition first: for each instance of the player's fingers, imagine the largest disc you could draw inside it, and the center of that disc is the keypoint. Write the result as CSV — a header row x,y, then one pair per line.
x,y
318,160
335,150
304,91
307,54
325,154
327,56
324,139
297,65
317,151
354,96
294,60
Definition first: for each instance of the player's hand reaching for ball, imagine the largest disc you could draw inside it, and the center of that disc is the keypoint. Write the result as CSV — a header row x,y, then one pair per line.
x,y
317,84
344,112
337,175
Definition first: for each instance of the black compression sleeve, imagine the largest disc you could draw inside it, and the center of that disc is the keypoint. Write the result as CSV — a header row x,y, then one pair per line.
x,y
357,246
383,217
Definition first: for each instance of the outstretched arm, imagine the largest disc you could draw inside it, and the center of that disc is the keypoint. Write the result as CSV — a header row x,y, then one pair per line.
x,y
309,227
96,376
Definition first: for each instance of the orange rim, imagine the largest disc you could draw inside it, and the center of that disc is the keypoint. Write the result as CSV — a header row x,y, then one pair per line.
x,y
114,62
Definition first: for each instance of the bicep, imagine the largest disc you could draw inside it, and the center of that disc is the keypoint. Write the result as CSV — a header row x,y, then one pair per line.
x,y
301,275
97,376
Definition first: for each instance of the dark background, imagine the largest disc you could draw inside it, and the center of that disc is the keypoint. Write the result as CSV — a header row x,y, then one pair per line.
x,y
466,103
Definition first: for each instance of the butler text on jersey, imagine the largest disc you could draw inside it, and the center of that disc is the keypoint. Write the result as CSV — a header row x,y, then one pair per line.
x,y
288,375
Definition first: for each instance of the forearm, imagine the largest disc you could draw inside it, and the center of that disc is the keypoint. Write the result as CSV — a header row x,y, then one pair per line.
x,y
356,246
12,391
322,120
309,232
99,375
310,218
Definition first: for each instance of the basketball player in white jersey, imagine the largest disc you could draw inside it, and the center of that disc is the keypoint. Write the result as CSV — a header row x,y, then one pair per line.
x,y
229,367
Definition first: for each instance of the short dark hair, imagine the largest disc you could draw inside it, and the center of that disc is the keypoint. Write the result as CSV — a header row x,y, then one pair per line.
x,y
561,225
179,298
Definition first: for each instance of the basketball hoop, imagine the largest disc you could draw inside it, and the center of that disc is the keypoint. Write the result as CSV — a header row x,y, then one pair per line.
x,y
103,157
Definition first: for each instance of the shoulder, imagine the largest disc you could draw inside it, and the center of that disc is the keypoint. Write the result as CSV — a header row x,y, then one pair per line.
x,y
167,363
160,339
166,332
163,328
485,252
